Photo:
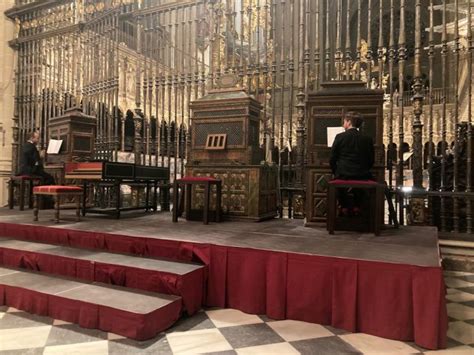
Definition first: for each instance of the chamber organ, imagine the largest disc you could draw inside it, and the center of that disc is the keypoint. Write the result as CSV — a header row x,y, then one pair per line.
x,y
225,145
326,108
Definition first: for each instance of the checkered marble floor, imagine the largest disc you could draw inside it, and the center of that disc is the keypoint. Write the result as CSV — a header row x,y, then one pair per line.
x,y
228,331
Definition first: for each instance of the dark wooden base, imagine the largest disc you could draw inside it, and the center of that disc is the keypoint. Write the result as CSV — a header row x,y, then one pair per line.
x,y
249,192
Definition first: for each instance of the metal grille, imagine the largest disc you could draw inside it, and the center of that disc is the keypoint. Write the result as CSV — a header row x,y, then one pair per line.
x,y
234,131
83,144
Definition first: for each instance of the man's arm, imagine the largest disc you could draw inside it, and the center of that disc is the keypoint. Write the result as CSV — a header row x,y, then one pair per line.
x,y
33,157
335,153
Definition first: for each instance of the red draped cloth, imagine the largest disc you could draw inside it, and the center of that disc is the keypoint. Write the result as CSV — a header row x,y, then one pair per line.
x,y
395,301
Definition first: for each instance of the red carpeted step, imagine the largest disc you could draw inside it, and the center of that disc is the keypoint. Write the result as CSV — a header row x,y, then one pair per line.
x,y
163,276
138,315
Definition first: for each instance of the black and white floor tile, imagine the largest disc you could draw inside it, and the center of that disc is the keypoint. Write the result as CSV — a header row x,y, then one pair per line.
x,y
228,331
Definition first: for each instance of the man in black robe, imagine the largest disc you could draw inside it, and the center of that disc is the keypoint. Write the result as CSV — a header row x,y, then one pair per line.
x,y
31,163
352,158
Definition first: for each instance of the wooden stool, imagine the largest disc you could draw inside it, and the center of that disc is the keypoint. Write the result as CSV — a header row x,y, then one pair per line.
x,y
377,193
25,183
187,183
57,191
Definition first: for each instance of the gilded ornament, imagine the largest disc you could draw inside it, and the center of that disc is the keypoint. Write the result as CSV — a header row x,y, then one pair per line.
x,y
17,27
89,9
363,50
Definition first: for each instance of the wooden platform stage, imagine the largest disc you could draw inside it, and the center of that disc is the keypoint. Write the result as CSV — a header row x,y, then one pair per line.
x,y
407,245
390,286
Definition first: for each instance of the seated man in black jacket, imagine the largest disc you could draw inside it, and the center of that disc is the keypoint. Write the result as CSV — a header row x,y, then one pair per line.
x,y
30,161
352,158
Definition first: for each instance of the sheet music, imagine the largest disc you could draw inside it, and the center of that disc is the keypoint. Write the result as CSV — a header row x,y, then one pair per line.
x,y
332,132
54,146
407,155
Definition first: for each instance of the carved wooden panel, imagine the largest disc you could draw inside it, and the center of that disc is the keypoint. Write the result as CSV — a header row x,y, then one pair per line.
x,y
321,182
247,192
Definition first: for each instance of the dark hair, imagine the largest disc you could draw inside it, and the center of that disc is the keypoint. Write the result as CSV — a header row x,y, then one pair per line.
x,y
355,118
32,134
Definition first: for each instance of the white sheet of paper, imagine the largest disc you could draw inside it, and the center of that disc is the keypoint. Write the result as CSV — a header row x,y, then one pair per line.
x,y
332,133
54,146
407,155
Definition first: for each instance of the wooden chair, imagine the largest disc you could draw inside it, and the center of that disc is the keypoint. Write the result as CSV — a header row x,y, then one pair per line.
x,y
25,184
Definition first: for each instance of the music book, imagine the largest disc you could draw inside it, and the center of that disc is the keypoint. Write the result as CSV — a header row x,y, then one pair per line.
x,y
54,146
332,132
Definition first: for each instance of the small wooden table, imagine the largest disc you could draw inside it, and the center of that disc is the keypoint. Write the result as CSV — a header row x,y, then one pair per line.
x,y
187,183
57,191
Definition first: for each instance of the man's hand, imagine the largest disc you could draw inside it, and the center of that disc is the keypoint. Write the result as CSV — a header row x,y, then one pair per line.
x,y
42,153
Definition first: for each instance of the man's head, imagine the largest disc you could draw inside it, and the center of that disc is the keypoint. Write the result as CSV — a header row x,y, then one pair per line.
x,y
34,137
352,119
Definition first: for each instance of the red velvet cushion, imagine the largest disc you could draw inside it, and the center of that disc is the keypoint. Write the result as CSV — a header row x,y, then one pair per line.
x,y
196,178
25,177
57,188
352,182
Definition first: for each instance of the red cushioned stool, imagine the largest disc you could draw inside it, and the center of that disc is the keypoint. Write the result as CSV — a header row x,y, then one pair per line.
x,y
58,191
25,183
187,183
375,190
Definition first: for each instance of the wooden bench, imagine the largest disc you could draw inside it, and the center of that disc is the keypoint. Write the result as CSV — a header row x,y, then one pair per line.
x,y
187,183
25,183
376,191
57,191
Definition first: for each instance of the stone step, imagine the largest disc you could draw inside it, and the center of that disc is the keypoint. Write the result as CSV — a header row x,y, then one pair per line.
x,y
164,276
138,315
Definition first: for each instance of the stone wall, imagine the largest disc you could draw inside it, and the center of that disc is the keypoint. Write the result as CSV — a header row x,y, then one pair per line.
x,y
7,92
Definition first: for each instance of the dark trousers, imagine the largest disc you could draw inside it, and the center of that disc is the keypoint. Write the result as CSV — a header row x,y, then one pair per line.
x,y
47,202
46,179
351,198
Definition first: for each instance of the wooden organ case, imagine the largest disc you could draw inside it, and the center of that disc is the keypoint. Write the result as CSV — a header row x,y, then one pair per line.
x,y
225,145
326,108
77,131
